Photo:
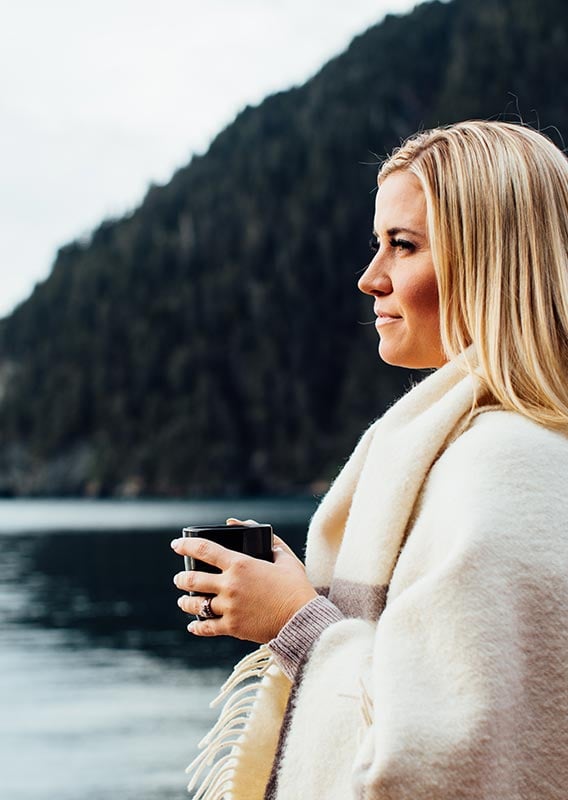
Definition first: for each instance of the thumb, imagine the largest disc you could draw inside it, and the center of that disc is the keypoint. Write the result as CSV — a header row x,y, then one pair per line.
x,y
280,547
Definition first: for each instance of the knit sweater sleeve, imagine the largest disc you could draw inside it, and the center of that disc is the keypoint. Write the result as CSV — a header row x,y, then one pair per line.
x,y
460,691
292,645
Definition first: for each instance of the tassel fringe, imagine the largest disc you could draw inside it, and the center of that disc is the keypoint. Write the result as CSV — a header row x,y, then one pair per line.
x,y
228,729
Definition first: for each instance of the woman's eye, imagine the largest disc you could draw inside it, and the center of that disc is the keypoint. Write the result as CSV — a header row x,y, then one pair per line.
x,y
373,243
402,244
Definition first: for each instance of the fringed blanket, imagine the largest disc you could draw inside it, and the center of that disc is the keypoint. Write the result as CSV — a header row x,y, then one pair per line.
x,y
444,542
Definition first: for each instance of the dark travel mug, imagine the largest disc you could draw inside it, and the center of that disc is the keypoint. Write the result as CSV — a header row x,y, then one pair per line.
x,y
252,540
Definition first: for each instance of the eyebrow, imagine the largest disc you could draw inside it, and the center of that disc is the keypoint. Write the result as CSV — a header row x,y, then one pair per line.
x,y
396,231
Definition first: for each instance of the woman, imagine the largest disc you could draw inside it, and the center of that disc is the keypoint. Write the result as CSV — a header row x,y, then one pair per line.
x,y
423,652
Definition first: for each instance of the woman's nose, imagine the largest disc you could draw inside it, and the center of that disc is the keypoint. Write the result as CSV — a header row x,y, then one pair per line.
x,y
374,280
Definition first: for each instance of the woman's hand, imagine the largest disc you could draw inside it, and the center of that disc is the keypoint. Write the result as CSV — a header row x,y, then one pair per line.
x,y
253,599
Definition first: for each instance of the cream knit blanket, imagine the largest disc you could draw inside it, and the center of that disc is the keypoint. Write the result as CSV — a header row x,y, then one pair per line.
x,y
458,686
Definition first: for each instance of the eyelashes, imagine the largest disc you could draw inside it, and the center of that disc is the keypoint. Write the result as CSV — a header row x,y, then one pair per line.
x,y
402,244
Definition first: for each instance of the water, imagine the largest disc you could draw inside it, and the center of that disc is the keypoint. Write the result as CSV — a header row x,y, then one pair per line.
x,y
103,694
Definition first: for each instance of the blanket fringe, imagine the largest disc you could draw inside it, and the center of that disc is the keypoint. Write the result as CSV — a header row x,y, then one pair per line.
x,y
228,729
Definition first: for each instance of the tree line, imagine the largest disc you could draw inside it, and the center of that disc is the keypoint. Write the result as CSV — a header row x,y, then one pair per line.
x,y
213,341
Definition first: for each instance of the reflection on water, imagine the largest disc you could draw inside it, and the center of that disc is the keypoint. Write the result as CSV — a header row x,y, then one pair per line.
x,y
104,694
96,723
111,587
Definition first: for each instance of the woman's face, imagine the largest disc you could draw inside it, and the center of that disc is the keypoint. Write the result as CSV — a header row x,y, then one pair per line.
x,y
401,277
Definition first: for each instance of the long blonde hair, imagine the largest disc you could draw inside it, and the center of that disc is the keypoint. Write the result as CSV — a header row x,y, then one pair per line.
x,y
497,210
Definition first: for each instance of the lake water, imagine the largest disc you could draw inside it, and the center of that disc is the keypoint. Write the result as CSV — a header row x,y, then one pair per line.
x,y
103,693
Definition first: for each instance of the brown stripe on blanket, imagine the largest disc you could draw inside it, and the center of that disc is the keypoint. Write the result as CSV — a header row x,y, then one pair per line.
x,y
358,599
354,600
271,786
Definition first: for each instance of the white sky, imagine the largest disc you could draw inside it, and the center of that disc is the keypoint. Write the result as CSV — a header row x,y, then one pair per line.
x,y
99,99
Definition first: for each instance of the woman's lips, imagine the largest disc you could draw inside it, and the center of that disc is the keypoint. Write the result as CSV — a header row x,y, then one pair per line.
x,y
385,319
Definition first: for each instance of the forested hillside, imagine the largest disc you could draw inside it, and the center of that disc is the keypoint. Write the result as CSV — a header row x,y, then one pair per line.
x,y
211,342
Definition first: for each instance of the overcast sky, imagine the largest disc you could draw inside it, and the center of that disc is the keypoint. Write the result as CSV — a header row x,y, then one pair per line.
x,y
99,99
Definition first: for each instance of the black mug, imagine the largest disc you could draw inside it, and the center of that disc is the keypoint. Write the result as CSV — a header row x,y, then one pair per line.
x,y
252,540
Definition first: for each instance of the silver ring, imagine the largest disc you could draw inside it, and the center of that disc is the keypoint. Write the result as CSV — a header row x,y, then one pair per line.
x,y
205,611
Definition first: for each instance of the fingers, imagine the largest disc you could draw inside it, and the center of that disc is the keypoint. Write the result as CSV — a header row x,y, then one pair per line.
x,y
210,627
195,605
204,550
207,627
278,542
239,583
198,582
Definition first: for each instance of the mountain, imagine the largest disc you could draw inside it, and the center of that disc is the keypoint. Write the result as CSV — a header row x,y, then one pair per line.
x,y
211,341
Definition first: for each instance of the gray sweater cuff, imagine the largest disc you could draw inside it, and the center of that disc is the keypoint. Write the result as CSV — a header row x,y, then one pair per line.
x,y
295,640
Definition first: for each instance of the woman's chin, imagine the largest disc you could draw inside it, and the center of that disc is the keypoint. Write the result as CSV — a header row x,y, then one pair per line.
x,y
391,355
409,358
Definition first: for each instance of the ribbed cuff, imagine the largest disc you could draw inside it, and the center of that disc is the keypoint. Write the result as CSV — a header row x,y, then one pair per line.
x,y
297,637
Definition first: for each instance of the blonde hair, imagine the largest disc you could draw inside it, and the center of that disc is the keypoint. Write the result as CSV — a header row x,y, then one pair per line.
x,y
497,210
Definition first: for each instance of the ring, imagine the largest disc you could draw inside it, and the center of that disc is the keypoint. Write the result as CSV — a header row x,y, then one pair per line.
x,y
206,611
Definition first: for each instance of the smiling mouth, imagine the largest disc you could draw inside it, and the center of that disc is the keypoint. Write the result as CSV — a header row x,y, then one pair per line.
x,y
383,319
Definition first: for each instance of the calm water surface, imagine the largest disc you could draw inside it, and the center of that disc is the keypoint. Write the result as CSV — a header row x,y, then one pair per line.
x,y
103,694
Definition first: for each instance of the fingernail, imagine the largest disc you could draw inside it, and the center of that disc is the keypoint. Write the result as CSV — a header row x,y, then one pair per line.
x,y
191,627
174,543
180,601
176,578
